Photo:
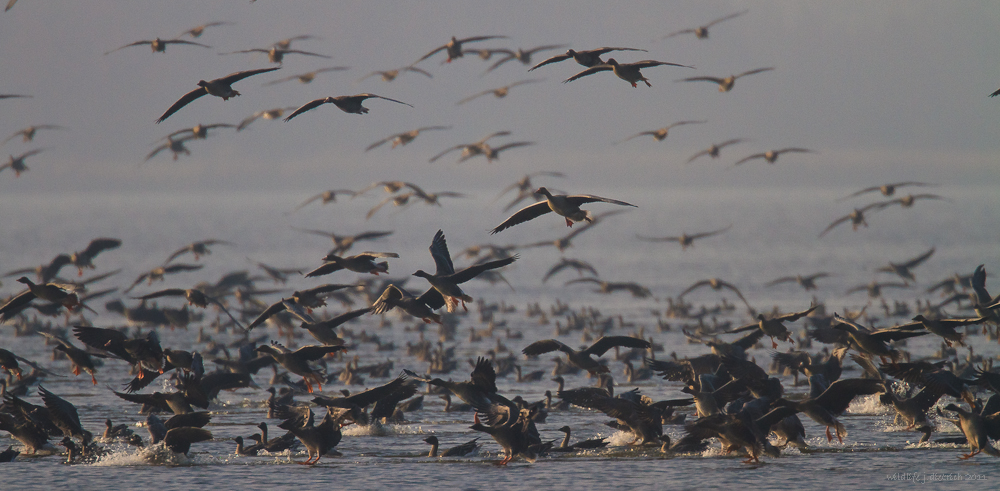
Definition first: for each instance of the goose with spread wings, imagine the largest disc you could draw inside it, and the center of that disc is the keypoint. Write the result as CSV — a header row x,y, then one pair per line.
x,y
725,84
683,239
628,72
563,205
220,87
347,103
453,48
583,359
701,32
587,58
446,280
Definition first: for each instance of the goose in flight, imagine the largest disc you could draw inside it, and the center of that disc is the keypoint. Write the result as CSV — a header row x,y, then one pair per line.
x,y
563,205
683,239
277,54
28,134
390,75
453,48
628,72
887,190
220,87
16,164
587,58
583,359
522,55
306,77
196,32
660,134
446,280
713,150
405,137
725,84
500,92
856,217
701,32
771,156
158,45
347,103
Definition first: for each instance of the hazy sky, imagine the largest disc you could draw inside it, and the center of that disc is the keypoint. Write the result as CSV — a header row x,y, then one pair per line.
x,y
884,91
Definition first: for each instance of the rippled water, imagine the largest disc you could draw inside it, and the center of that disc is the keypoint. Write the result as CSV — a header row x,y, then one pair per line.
x,y
774,237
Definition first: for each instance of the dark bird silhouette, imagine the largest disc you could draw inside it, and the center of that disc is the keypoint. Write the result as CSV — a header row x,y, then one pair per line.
x,y
628,72
701,32
220,87
587,58
347,103
565,206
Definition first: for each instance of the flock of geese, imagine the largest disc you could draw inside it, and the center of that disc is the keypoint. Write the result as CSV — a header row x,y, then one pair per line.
x,y
735,401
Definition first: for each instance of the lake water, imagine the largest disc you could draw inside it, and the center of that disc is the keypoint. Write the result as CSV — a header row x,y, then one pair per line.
x,y
774,233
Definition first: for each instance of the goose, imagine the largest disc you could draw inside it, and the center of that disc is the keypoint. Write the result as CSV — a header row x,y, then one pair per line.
x,y
453,48
276,54
348,103
701,32
220,87
725,84
522,55
628,72
684,239
713,150
16,164
28,134
583,359
563,205
446,280
307,77
390,75
158,45
587,58
771,156
660,134
401,139
499,92
197,31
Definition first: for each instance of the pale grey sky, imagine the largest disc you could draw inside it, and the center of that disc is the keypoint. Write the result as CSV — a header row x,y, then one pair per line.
x,y
884,91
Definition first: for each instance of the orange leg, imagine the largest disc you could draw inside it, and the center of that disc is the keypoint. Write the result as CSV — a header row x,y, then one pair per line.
x,y
309,386
569,223
76,370
318,384
92,379
142,374
970,455
829,437
774,344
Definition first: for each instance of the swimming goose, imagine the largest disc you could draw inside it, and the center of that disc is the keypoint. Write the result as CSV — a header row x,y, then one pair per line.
x,y
306,77
456,451
400,139
17,163
725,84
713,151
453,48
347,103
28,134
701,32
583,359
771,156
158,44
446,280
587,58
684,239
628,72
563,205
660,134
500,92
220,87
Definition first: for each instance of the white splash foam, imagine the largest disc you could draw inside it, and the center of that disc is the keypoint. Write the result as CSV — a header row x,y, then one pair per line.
x,y
378,429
